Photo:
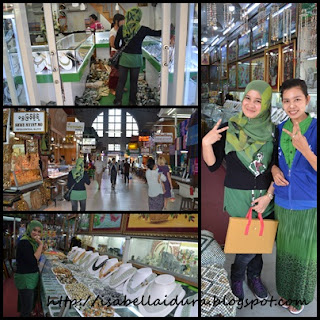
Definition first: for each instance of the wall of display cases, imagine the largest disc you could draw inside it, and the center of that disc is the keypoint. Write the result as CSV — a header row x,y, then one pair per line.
x,y
265,54
165,242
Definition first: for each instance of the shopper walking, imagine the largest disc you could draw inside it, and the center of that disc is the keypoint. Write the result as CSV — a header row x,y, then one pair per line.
x,y
131,57
78,177
26,278
100,166
246,142
118,20
126,170
295,178
163,168
121,168
113,173
155,191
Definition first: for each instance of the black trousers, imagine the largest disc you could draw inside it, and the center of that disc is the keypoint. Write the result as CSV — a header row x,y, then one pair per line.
x,y
74,204
126,176
26,301
123,74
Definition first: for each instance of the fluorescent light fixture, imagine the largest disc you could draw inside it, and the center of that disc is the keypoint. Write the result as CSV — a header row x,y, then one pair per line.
x,y
204,39
82,7
256,27
215,42
312,58
170,111
280,11
184,151
117,7
205,51
252,8
231,44
215,28
159,152
232,8
228,29
75,5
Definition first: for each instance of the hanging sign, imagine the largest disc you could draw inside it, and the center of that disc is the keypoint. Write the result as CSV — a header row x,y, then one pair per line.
x,y
163,138
132,145
86,150
75,126
145,151
89,141
144,138
29,122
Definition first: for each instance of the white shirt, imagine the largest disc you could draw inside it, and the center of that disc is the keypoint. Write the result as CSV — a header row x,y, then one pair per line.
x,y
113,33
155,188
99,166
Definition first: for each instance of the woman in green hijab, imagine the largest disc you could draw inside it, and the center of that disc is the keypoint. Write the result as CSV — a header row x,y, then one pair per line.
x,y
246,143
132,35
77,178
26,278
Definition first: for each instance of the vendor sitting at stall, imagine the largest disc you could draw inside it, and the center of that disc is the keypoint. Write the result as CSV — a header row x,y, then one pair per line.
x,y
26,278
94,23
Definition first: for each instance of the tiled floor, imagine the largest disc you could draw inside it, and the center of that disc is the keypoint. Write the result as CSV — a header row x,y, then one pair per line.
x,y
125,197
268,278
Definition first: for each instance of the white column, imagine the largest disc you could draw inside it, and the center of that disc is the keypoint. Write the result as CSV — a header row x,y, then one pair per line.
x,y
180,51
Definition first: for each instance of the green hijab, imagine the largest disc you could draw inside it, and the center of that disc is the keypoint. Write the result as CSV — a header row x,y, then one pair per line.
x,y
78,171
132,24
248,136
27,235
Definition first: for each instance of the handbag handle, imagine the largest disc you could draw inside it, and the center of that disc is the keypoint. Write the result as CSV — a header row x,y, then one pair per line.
x,y
249,217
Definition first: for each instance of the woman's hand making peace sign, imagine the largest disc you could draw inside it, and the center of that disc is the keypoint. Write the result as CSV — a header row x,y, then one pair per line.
x,y
213,135
299,141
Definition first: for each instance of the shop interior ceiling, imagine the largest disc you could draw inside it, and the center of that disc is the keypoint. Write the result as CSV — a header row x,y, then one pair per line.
x,y
145,117
210,34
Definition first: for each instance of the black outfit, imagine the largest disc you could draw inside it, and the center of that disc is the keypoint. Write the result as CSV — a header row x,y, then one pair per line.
x,y
126,171
26,263
239,177
80,186
134,47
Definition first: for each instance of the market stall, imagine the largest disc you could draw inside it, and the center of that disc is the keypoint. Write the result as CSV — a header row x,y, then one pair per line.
x,y
118,257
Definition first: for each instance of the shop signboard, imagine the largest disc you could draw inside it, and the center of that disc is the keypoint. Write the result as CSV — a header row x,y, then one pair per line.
x,y
29,122
86,149
144,138
75,126
145,151
163,137
132,145
89,141
134,151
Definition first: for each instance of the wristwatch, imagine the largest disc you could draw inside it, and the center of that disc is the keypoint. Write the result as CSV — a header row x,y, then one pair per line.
x,y
270,195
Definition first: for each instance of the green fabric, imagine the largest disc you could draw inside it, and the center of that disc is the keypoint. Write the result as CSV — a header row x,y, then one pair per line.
x,y
78,195
78,171
237,202
286,145
296,262
132,24
26,281
247,136
27,235
130,60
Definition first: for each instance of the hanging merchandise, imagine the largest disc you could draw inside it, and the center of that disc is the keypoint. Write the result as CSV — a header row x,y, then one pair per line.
x,y
287,16
274,22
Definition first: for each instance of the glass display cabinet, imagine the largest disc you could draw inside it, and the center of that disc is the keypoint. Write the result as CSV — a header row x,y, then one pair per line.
x,y
178,258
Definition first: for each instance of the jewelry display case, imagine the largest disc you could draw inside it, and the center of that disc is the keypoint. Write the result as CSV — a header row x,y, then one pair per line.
x,y
25,171
72,51
57,170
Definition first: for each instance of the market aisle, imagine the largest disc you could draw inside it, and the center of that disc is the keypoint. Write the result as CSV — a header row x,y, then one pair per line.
x,y
125,197
10,298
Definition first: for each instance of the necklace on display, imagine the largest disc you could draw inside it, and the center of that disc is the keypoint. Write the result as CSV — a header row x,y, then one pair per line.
x,y
102,275
115,281
131,290
37,63
83,260
95,268
80,257
154,309
64,64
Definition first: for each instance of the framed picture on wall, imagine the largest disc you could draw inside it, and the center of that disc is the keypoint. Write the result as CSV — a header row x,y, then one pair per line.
x,y
272,69
232,69
232,50
205,59
214,76
288,61
204,74
244,46
214,55
257,68
260,38
294,23
110,222
223,64
243,74
163,225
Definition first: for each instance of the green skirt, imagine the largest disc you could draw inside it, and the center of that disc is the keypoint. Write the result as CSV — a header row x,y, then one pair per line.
x,y
296,263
